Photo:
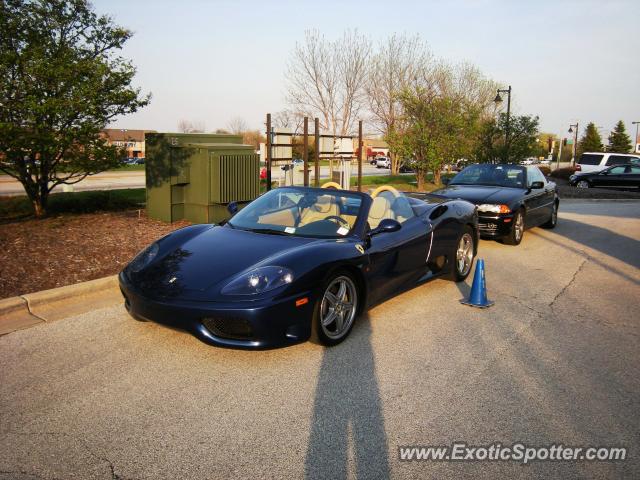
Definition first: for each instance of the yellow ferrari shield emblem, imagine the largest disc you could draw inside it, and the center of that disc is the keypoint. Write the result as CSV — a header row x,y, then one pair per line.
x,y
360,248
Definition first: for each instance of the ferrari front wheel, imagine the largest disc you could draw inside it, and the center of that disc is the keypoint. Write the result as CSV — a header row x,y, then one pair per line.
x,y
336,309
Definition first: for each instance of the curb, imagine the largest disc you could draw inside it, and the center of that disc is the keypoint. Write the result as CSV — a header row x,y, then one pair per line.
x,y
24,311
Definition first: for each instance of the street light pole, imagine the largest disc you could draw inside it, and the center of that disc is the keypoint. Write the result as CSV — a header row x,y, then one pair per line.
x,y
635,142
575,141
498,100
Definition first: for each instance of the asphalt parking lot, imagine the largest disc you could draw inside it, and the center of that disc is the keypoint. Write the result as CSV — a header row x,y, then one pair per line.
x,y
556,360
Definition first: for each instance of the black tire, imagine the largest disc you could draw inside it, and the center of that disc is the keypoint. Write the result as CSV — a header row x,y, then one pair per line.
x,y
553,219
515,235
459,274
323,334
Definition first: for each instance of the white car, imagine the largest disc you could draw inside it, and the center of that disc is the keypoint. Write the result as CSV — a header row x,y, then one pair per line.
x,y
383,162
596,161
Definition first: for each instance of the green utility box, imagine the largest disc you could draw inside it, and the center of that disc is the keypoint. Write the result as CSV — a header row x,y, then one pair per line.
x,y
193,176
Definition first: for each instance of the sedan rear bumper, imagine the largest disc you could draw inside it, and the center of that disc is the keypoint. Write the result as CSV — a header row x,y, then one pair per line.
x,y
248,324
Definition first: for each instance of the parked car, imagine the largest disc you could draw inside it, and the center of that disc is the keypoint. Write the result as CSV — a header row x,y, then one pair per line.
x,y
619,176
596,161
297,260
510,199
138,161
383,162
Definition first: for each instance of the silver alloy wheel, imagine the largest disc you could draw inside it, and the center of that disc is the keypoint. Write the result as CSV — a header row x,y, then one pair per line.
x,y
464,254
519,227
338,307
583,184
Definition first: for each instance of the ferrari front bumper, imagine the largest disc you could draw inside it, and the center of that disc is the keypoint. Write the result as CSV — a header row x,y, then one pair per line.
x,y
262,324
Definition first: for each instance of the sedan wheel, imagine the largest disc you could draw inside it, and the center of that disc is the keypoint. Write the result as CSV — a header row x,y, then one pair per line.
x,y
583,184
517,230
553,219
337,310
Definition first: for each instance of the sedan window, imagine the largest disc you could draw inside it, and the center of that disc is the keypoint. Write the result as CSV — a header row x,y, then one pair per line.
x,y
616,170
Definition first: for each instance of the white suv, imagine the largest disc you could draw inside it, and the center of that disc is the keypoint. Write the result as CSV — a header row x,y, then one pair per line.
x,y
383,162
596,161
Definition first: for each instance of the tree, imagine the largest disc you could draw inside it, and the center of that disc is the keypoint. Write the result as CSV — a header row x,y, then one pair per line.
x,y
62,82
591,141
491,147
619,141
325,79
237,126
391,70
187,126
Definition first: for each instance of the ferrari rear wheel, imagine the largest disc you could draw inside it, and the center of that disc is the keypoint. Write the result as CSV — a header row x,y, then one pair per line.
x,y
336,310
464,254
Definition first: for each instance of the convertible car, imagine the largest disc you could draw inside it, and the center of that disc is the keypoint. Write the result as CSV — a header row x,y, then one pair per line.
x,y
510,199
298,262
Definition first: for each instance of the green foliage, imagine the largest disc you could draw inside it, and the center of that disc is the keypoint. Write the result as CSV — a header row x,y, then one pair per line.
x,y
76,202
435,122
563,173
62,82
491,146
619,141
591,141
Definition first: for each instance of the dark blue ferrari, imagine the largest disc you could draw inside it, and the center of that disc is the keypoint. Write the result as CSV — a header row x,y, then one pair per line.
x,y
299,262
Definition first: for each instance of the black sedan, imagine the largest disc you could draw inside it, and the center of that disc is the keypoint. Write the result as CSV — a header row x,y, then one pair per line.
x,y
298,261
510,199
619,176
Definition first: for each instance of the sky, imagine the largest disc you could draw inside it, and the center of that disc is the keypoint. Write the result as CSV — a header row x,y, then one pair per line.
x,y
211,61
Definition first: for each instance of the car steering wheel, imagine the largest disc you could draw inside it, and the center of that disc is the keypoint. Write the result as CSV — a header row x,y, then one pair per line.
x,y
340,221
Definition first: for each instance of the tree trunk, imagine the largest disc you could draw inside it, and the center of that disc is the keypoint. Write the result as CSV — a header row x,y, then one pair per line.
x,y
395,168
437,175
420,178
39,197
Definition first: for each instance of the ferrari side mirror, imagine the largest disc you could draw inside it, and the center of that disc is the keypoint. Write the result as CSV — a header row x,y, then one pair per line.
x,y
387,225
232,208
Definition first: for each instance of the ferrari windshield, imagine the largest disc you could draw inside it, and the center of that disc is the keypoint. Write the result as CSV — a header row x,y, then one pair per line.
x,y
301,211
493,175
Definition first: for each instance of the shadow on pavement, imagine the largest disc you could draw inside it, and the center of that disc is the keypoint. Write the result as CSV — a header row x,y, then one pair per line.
x,y
347,415
623,248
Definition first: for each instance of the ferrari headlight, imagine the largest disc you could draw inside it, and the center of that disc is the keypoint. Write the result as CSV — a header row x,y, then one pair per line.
x,y
259,280
144,258
491,208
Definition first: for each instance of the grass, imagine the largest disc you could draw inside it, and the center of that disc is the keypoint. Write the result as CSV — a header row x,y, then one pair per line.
x,y
129,168
12,208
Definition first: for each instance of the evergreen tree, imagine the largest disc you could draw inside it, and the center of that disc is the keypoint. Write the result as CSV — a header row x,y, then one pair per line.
x,y
619,141
591,141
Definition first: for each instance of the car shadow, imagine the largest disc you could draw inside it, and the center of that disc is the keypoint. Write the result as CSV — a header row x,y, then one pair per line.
x,y
347,414
625,249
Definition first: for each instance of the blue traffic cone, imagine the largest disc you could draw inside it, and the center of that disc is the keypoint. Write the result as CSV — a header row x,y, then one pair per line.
x,y
478,296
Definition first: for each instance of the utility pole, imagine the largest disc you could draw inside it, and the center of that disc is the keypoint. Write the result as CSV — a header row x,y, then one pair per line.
x,y
268,152
575,141
498,100
636,142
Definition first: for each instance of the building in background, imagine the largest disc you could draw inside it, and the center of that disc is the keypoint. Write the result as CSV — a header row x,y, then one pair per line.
x,y
132,140
375,147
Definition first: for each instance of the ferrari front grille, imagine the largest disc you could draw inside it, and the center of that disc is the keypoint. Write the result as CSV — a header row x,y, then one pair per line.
x,y
231,327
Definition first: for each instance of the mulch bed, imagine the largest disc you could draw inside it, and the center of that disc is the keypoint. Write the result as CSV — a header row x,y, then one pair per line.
x,y
42,254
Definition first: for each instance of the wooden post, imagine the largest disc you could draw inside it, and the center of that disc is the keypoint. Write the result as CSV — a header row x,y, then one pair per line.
x,y
305,151
268,152
360,155
317,140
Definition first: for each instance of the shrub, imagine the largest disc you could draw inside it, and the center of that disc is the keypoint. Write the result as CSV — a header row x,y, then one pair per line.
x,y
563,173
546,171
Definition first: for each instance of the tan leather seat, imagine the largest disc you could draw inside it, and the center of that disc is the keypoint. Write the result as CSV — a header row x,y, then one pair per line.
x,y
323,208
379,211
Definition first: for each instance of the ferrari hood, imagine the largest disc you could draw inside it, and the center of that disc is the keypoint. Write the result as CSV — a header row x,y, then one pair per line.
x,y
480,194
211,257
